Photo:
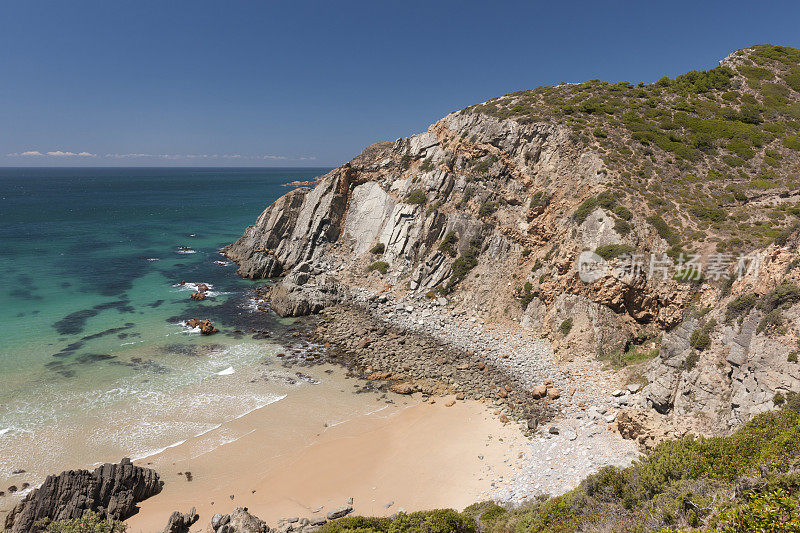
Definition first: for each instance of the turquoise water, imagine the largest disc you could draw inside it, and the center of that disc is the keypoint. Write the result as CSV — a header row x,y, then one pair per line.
x,y
94,359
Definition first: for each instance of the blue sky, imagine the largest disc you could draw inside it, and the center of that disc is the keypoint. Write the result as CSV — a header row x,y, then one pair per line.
x,y
310,83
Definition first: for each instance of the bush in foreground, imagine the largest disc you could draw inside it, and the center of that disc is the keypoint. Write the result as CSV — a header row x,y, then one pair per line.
x,y
437,521
90,522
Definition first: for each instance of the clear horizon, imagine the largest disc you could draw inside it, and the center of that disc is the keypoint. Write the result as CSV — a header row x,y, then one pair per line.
x,y
274,84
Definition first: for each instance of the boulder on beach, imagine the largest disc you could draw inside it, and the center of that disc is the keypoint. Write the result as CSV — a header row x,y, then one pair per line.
x,y
181,522
339,512
238,521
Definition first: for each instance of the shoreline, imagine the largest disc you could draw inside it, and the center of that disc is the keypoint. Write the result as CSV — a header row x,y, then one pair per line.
x,y
298,455
412,454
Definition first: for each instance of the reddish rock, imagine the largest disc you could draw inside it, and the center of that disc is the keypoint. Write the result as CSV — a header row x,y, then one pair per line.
x,y
198,296
402,388
206,327
504,419
202,287
553,394
539,391
502,393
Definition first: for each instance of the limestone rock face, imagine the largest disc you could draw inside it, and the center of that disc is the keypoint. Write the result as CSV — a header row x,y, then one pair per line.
x,y
112,490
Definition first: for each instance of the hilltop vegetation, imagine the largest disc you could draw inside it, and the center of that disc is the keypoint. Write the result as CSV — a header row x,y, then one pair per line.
x,y
697,148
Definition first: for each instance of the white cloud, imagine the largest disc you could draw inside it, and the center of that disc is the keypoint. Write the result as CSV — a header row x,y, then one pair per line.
x,y
134,155
56,153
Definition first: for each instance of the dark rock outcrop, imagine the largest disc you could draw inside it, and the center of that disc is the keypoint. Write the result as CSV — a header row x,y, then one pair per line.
x,y
181,522
112,490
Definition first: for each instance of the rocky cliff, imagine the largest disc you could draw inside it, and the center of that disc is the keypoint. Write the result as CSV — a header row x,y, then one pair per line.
x,y
683,192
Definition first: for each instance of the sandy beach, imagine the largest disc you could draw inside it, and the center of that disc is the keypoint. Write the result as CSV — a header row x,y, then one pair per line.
x,y
298,456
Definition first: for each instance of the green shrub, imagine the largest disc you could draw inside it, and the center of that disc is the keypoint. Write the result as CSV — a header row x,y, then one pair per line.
x,y
487,208
417,197
611,251
378,248
792,141
782,238
436,521
623,212
90,522
448,244
480,166
773,511
540,199
664,230
565,327
793,79
380,266
771,320
691,360
792,357
689,275
783,294
741,306
755,73
600,133
699,340
463,265
526,295
711,214
741,149
584,210
492,514
622,227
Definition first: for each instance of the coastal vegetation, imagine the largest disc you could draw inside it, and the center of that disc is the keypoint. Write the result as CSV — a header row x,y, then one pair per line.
x,y
749,481
694,148
90,522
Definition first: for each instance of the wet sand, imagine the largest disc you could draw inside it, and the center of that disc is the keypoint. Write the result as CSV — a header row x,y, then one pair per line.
x,y
299,455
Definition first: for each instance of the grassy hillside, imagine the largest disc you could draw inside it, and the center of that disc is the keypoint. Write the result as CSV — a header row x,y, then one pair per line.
x,y
702,149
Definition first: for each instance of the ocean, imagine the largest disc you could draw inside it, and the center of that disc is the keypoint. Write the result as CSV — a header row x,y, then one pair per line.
x,y
95,361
